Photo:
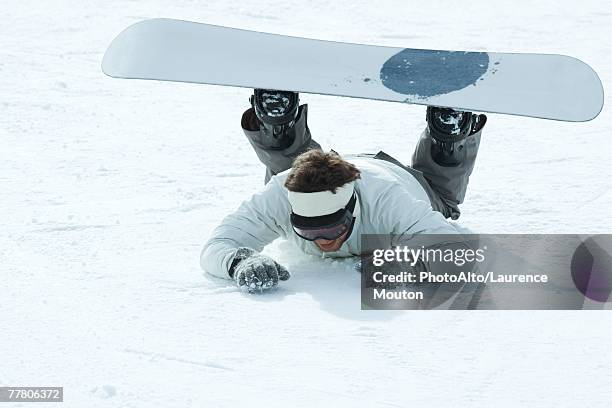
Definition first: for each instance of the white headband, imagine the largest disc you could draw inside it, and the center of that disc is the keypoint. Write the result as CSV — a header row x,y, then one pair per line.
x,y
321,202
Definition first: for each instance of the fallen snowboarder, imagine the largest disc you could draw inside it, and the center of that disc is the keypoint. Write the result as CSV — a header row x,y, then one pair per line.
x,y
324,203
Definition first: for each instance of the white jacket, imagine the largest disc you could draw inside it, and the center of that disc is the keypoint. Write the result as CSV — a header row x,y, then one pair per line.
x,y
391,200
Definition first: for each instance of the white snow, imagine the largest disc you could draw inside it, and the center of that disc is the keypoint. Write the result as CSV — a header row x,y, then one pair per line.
x,y
110,187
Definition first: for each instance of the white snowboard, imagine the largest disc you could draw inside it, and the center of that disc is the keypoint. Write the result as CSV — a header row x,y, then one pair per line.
x,y
537,85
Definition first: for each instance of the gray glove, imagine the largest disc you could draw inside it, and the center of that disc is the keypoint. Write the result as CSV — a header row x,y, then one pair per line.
x,y
254,272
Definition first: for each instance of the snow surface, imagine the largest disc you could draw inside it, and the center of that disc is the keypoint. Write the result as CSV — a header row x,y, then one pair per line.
x,y
110,187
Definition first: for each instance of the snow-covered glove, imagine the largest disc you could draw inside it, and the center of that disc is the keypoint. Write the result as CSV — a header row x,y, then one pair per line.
x,y
254,272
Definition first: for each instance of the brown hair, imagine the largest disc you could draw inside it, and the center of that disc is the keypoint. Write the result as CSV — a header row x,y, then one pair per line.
x,y
316,170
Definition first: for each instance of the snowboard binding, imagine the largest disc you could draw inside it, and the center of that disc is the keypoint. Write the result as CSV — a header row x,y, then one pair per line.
x,y
449,130
276,112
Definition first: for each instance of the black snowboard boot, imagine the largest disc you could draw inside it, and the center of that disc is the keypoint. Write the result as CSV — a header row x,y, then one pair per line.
x,y
276,113
449,130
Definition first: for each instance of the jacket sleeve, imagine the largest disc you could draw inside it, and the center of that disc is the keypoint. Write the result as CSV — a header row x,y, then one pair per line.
x,y
413,223
257,222
406,217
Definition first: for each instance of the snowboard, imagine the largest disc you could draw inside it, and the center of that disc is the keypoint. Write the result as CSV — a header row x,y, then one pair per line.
x,y
547,86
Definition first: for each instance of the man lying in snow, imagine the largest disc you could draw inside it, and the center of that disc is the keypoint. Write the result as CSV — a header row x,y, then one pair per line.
x,y
323,202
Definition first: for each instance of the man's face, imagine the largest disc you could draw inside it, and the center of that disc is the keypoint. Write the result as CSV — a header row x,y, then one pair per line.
x,y
326,245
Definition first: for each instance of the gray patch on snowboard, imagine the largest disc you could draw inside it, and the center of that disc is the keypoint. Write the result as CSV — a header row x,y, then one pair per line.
x,y
426,73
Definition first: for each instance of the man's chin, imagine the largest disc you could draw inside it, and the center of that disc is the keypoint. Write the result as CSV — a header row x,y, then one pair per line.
x,y
333,248
329,250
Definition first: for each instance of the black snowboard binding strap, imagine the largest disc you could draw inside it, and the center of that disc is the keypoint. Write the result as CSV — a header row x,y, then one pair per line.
x,y
276,112
449,130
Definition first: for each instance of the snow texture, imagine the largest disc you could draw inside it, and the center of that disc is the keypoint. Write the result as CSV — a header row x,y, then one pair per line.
x,y
110,187
275,103
452,122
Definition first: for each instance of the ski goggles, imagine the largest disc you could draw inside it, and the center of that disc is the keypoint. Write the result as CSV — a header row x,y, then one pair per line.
x,y
328,227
